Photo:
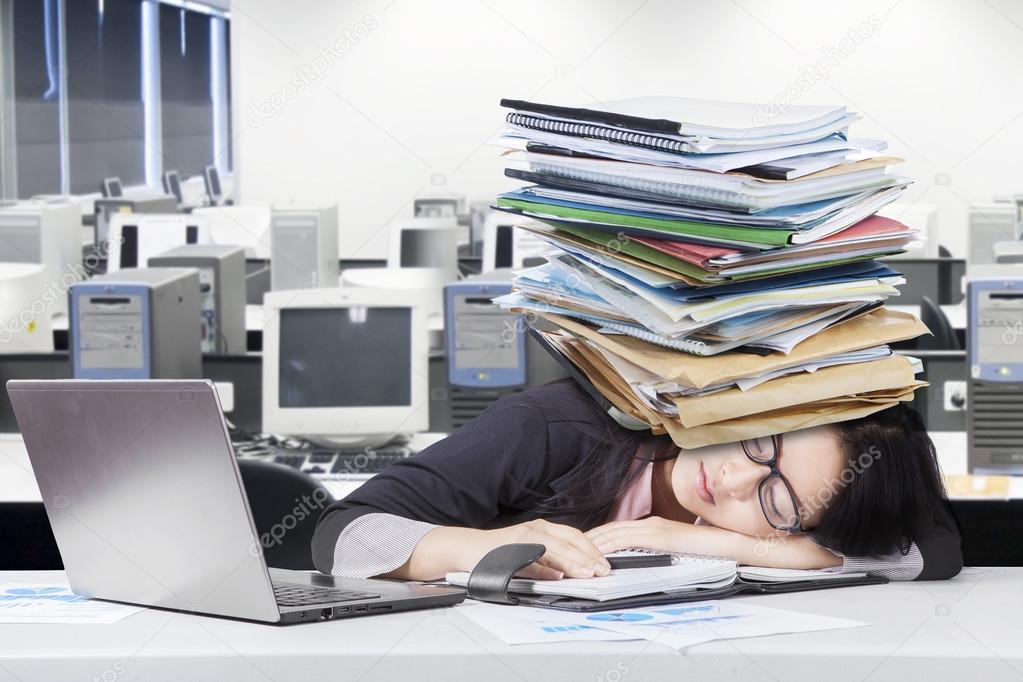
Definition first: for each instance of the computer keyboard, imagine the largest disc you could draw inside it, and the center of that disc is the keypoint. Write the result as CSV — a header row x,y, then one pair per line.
x,y
288,594
342,464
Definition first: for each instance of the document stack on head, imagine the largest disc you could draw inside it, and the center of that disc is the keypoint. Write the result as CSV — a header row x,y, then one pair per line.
x,y
712,269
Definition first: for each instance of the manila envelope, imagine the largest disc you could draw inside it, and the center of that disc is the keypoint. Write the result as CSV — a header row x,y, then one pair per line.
x,y
893,372
876,328
770,423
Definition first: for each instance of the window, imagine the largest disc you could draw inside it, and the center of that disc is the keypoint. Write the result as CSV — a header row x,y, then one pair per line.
x,y
105,111
37,87
125,88
186,103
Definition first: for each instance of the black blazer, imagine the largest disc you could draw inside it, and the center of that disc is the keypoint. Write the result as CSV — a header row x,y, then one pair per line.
x,y
499,469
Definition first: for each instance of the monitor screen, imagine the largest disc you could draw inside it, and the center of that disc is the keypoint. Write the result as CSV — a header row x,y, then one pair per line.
x,y
345,357
112,188
212,182
172,185
424,248
504,251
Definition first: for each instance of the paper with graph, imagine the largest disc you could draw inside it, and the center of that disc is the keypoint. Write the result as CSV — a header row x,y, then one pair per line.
x,y
677,626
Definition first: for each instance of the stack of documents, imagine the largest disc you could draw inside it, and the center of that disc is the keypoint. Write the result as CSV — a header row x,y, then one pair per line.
x,y
689,233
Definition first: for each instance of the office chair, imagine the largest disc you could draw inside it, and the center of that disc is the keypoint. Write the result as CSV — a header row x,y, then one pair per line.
x,y
943,252
944,336
285,506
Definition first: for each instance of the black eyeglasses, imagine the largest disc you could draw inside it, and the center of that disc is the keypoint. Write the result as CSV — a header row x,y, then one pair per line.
x,y
777,498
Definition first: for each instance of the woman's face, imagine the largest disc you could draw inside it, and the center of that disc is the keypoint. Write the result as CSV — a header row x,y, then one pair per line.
x,y
719,483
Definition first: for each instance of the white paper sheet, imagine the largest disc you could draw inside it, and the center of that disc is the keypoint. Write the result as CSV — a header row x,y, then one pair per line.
x,y
678,626
55,603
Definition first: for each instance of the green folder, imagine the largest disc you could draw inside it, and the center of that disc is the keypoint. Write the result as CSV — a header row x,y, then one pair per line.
x,y
724,234
610,243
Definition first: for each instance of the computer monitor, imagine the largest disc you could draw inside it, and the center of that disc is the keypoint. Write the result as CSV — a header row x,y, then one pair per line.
x,y
211,178
111,188
345,365
47,232
172,185
504,246
134,239
425,243
22,329
247,226
989,224
486,345
439,207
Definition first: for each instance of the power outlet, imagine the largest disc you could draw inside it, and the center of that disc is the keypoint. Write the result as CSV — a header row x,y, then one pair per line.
x,y
955,396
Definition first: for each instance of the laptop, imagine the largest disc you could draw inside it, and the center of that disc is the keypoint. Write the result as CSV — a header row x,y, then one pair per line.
x,y
147,506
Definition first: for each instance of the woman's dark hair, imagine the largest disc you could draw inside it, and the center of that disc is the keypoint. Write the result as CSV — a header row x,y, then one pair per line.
x,y
888,494
891,490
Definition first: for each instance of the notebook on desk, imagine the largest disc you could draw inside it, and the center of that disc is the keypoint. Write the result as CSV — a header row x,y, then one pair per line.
x,y
689,578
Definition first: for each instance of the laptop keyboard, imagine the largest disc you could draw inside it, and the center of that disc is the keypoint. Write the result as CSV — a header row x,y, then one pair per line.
x,y
303,595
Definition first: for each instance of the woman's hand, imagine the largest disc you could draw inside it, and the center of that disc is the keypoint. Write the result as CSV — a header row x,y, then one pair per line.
x,y
652,532
569,553
447,548
776,551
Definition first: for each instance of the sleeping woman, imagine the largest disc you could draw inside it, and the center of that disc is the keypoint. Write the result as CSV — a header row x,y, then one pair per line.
x,y
549,466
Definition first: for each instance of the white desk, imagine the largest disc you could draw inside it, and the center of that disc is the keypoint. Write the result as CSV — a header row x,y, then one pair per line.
x,y
966,628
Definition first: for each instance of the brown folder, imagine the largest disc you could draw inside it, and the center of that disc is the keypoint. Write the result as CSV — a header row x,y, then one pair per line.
x,y
876,328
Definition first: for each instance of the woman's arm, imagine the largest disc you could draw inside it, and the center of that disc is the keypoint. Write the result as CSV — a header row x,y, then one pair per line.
x,y
783,551
496,465
936,555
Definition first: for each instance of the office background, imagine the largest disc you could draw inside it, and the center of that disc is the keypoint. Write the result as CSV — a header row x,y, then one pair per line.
x,y
413,100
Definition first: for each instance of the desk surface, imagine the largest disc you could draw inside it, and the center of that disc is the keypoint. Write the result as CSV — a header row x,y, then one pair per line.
x,y
966,628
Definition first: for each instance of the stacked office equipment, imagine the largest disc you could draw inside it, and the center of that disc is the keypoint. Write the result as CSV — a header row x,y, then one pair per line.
x,y
303,240
995,355
713,269
140,323
221,271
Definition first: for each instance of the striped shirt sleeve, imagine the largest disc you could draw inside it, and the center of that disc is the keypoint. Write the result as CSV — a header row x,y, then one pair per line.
x,y
377,543
894,566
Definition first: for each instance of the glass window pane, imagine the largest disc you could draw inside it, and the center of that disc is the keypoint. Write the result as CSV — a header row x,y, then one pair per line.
x,y
105,111
185,90
36,91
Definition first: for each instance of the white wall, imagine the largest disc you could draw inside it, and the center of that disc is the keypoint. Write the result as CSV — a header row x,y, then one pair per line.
x,y
410,94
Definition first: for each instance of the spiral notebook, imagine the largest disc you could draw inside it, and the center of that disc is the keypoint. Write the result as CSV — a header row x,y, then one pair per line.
x,y
691,577
667,115
676,145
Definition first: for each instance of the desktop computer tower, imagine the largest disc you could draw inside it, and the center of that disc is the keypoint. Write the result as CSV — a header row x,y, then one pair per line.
x,y
995,357
48,233
221,271
304,247
141,323
489,351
